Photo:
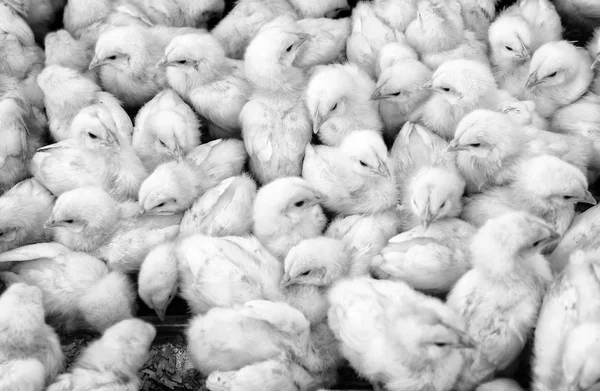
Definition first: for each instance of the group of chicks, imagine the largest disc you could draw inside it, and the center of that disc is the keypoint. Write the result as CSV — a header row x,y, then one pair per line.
x,y
395,189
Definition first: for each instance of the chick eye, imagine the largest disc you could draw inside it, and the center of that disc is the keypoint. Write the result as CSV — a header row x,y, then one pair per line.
x,y
92,136
440,344
299,204
443,204
396,93
305,274
182,62
552,74
568,197
333,107
537,243
509,48
446,89
162,143
160,205
363,163
1,234
113,57
476,145
69,221
289,48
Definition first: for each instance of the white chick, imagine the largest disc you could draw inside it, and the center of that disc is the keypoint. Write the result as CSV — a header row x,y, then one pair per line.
x,y
581,364
328,42
89,219
174,186
501,384
338,98
428,259
310,269
400,92
242,23
128,55
24,209
364,236
66,92
157,280
266,375
369,34
223,272
106,122
25,334
214,85
228,339
166,128
275,123
393,53
356,176
225,210
500,297
182,13
61,48
524,113
544,186
559,74
459,86
111,362
287,211
396,14
80,293
13,24
394,335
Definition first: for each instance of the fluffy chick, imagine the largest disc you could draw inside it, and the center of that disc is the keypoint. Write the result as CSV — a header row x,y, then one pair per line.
x,y
61,48
213,84
275,127
225,210
544,186
477,16
364,236
328,42
320,8
80,293
106,123
166,128
559,74
459,86
22,375
113,361
287,211
428,259
509,277
394,335
157,280
26,336
89,219
338,98
369,34
24,209
356,176
243,22
174,186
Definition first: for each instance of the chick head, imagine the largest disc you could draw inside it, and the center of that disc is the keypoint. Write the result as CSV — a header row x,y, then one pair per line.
x,y
60,42
368,154
402,82
122,349
521,111
122,47
164,191
462,81
80,215
486,134
288,204
157,281
436,193
554,64
581,361
169,128
96,127
317,261
553,182
269,58
438,26
199,54
510,40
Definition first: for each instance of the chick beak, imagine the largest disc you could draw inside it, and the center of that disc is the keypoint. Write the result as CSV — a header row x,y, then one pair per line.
x,y
552,238
377,95
142,210
51,224
588,199
303,38
179,154
426,219
163,63
95,63
319,197
161,314
595,62
382,168
508,110
285,281
317,123
532,80
454,147
428,86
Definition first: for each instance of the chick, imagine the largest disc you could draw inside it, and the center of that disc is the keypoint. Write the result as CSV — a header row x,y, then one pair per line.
x,y
80,293
459,86
174,186
469,48
225,210
106,123
542,17
394,335
24,209
166,128
182,13
61,48
369,34
88,219
26,336
544,186
13,24
113,361
310,269
509,277
338,100
287,211
400,92
260,331
524,113
223,272
214,85
328,42
127,56
559,74
275,127
356,176
428,259
157,280
66,92
364,236
500,384
320,8
243,22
